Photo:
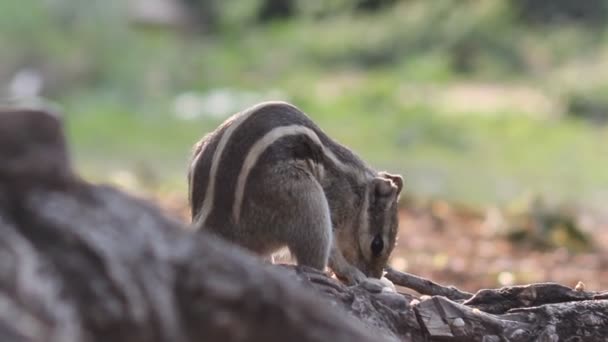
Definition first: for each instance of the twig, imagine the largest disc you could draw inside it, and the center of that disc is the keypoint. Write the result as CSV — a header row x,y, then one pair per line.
x,y
425,286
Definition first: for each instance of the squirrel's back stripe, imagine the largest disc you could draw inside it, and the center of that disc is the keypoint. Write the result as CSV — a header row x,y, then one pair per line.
x,y
198,176
261,145
238,146
209,195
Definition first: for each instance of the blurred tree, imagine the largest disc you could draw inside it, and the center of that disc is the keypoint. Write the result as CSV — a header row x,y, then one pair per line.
x,y
373,5
276,9
281,9
590,106
204,15
191,15
589,12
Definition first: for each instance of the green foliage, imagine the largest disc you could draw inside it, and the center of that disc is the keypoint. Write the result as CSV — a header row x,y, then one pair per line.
x,y
388,83
543,227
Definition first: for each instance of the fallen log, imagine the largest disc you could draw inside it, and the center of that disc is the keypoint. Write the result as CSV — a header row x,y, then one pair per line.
x,y
81,262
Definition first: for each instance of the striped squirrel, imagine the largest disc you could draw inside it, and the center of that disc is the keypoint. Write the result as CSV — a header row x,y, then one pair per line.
x,y
268,177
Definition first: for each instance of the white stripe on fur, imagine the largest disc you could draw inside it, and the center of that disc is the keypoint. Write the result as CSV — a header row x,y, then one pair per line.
x,y
263,143
210,192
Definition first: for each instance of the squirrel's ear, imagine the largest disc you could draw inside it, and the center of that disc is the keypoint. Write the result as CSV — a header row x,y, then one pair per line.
x,y
387,186
397,180
383,187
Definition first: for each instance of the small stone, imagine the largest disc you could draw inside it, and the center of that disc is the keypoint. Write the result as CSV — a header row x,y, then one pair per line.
x,y
389,290
520,334
458,323
372,285
388,285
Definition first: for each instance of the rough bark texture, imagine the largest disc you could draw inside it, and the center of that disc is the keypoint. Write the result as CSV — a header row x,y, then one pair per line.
x,y
88,263
80,262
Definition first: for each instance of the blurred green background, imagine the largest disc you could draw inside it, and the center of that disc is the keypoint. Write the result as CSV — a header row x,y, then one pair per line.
x,y
473,101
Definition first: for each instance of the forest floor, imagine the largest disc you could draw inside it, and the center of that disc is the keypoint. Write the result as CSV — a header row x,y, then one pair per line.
x,y
471,250
474,249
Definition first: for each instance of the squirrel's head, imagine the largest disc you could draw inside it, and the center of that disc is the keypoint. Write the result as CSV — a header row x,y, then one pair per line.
x,y
379,224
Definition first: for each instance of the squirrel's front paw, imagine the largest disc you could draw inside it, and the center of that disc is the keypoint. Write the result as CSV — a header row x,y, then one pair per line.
x,y
351,276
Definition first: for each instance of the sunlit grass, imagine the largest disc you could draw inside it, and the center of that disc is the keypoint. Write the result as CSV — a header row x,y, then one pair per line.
x,y
374,83
469,158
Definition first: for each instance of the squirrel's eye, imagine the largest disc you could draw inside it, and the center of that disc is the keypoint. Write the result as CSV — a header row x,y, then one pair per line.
x,y
377,245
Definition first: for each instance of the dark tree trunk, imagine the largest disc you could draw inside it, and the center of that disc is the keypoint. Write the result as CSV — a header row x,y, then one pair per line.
x,y
276,9
80,262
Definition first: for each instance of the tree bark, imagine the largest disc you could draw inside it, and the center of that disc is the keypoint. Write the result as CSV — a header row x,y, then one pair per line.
x,y
80,262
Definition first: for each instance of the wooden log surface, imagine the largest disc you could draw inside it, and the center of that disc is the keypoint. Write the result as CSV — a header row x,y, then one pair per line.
x,y
82,262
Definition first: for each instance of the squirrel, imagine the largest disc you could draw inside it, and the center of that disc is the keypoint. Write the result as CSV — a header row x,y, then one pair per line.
x,y
268,178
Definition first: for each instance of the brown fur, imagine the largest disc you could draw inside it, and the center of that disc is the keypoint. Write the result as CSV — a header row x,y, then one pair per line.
x,y
298,188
